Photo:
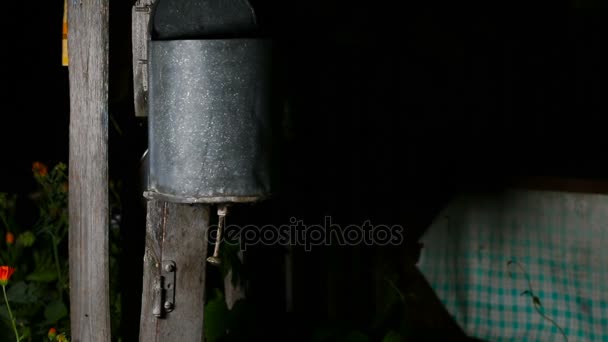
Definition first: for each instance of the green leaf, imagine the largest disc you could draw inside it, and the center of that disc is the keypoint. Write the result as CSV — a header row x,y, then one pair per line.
x,y
23,293
4,313
392,336
55,311
216,318
26,332
43,276
26,239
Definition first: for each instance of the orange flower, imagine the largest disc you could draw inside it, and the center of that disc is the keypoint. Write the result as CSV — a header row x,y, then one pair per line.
x,y
5,274
39,169
10,238
52,333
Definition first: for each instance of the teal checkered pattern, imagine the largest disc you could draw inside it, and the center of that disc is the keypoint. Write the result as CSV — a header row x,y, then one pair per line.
x,y
558,238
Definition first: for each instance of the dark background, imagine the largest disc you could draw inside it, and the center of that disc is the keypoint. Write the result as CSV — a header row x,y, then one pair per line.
x,y
449,91
392,111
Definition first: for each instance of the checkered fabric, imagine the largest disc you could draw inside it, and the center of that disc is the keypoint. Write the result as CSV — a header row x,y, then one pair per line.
x,y
557,240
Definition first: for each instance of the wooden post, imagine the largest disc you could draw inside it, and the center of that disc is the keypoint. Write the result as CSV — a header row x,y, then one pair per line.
x,y
177,233
88,171
139,36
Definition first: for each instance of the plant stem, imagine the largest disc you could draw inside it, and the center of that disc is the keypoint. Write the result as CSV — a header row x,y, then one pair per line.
x,y
5,221
392,284
10,314
58,266
552,322
535,300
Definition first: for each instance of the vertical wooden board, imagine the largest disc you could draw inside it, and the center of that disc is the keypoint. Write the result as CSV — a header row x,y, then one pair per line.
x,y
234,292
139,37
88,171
152,262
175,232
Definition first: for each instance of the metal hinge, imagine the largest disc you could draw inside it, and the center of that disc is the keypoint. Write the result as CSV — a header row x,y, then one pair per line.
x,y
164,290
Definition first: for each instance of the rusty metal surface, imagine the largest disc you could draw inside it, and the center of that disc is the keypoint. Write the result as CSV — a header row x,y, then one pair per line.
x,y
210,120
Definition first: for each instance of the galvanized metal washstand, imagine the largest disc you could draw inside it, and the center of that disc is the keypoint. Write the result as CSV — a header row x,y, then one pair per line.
x,y
210,118
209,121
210,111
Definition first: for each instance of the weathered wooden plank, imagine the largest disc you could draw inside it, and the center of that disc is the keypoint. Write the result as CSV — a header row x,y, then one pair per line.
x,y
88,171
140,36
175,232
234,292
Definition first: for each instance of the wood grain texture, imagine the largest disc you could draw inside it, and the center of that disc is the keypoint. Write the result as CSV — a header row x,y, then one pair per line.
x,y
175,232
234,292
88,171
140,36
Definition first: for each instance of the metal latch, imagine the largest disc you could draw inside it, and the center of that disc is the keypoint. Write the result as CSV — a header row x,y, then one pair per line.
x,y
164,290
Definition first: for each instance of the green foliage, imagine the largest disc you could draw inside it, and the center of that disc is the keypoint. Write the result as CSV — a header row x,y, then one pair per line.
x,y
217,318
24,293
38,290
392,336
55,311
